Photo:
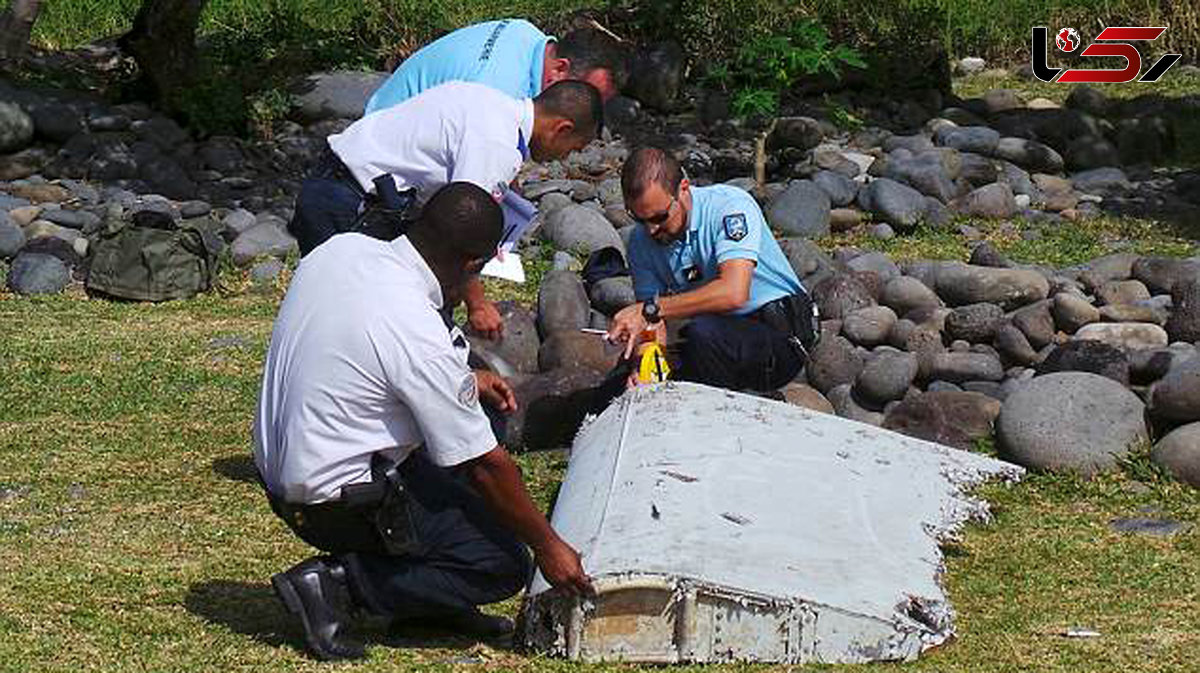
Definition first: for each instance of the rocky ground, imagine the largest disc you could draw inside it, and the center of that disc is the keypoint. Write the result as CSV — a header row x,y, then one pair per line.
x,y
1068,368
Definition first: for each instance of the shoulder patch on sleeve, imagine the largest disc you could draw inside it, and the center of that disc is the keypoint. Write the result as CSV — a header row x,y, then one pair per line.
x,y
468,391
735,226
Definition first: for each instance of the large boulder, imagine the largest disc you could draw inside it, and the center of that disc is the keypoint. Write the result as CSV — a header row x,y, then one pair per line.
x,y
994,201
336,95
893,202
581,230
16,128
905,293
518,342
801,210
868,326
1095,357
886,376
1073,421
562,303
952,418
551,407
1126,335
1184,323
832,363
656,80
960,284
37,273
265,238
841,294
1176,397
841,189
931,173
977,139
976,323
578,350
802,133
1179,453
12,237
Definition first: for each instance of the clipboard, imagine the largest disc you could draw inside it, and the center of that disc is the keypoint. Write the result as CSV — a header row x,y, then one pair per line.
x,y
518,215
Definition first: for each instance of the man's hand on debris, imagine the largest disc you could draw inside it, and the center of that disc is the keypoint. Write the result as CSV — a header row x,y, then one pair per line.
x,y
561,566
627,326
494,390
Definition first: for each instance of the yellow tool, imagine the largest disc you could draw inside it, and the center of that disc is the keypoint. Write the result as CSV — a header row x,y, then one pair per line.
x,y
653,367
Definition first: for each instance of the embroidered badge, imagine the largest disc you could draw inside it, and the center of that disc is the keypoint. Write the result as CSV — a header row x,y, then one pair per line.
x,y
468,392
735,226
691,274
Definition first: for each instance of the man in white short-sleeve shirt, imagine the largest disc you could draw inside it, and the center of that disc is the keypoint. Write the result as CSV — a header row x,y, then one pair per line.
x,y
456,132
372,443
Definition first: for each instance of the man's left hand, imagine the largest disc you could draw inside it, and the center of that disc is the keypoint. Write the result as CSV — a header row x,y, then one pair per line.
x,y
494,390
627,326
486,320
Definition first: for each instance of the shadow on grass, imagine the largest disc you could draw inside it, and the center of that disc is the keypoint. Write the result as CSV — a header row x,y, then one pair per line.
x,y
238,467
253,610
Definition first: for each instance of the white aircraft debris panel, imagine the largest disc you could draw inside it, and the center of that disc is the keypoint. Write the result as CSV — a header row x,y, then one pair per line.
x,y
719,526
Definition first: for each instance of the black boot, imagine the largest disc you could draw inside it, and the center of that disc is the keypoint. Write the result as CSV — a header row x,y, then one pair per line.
x,y
316,591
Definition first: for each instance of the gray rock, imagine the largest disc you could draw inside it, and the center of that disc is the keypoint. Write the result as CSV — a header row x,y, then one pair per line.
x,y
1177,396
336,95
1101,181
1002,100
882,231
16,128
1014,346
993,201
975,323
192,209
978,170
886,376
1184,323
841,189
1122,292
868,326
1151,364
914,143
266,272
1089,152
959,367
877,263
931,173
657,78
1148,526
1127,335
846,406
844,219
564,261
612,294
562,303
262,239
161,132
985,254
222,154
33,273
12,237
832,363
577,350
1141,312
1088,100
977,139
802,210
1179,453
550,408
905,294
56,122
895,203
839,295
947,416
1036,323
110,123
1160,274
580,230
1072,312
803,133
518,342
959,284
1029,154
1095,357
237,222
80,220
1074,421
971,65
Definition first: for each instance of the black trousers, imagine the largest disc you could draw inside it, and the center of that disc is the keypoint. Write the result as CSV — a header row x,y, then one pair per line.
x,y
464,557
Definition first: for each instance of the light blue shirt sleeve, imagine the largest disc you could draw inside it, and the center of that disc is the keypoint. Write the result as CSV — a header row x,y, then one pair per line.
x,y
738,231
646,281
507,55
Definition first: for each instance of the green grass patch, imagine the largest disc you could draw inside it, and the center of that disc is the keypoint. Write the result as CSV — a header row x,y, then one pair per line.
x,y
133,534
1056,245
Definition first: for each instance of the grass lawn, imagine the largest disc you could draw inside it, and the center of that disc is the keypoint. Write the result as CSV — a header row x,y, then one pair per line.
x,y
133,534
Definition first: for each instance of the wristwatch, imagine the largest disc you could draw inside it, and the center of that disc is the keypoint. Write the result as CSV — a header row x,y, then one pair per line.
x,y
650,310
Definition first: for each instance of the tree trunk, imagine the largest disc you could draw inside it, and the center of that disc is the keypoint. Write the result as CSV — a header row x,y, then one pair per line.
x,y
16,23
163,42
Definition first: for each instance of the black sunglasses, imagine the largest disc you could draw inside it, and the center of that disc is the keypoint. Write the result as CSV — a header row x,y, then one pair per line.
x,y
654,219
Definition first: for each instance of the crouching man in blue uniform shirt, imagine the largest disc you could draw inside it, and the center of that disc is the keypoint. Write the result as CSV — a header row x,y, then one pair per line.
x,y
706,254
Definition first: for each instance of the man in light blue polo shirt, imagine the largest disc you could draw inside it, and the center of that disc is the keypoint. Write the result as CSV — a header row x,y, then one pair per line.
x,y
510,55
706,253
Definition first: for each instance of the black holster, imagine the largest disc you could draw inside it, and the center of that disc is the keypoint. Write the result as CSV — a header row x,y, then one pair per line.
x,y
795,315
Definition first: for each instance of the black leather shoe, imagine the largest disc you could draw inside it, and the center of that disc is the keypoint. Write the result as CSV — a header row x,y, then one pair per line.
x,y
316,591
471,623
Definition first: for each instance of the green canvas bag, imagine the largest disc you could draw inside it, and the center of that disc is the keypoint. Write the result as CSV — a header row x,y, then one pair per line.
x,y
152,258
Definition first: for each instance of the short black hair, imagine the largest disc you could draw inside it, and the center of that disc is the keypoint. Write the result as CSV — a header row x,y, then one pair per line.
x,y
591,49
460,222
650,165
577,101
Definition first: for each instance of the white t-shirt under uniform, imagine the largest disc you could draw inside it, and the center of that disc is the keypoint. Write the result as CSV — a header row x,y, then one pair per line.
x,y
455,132
359,362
